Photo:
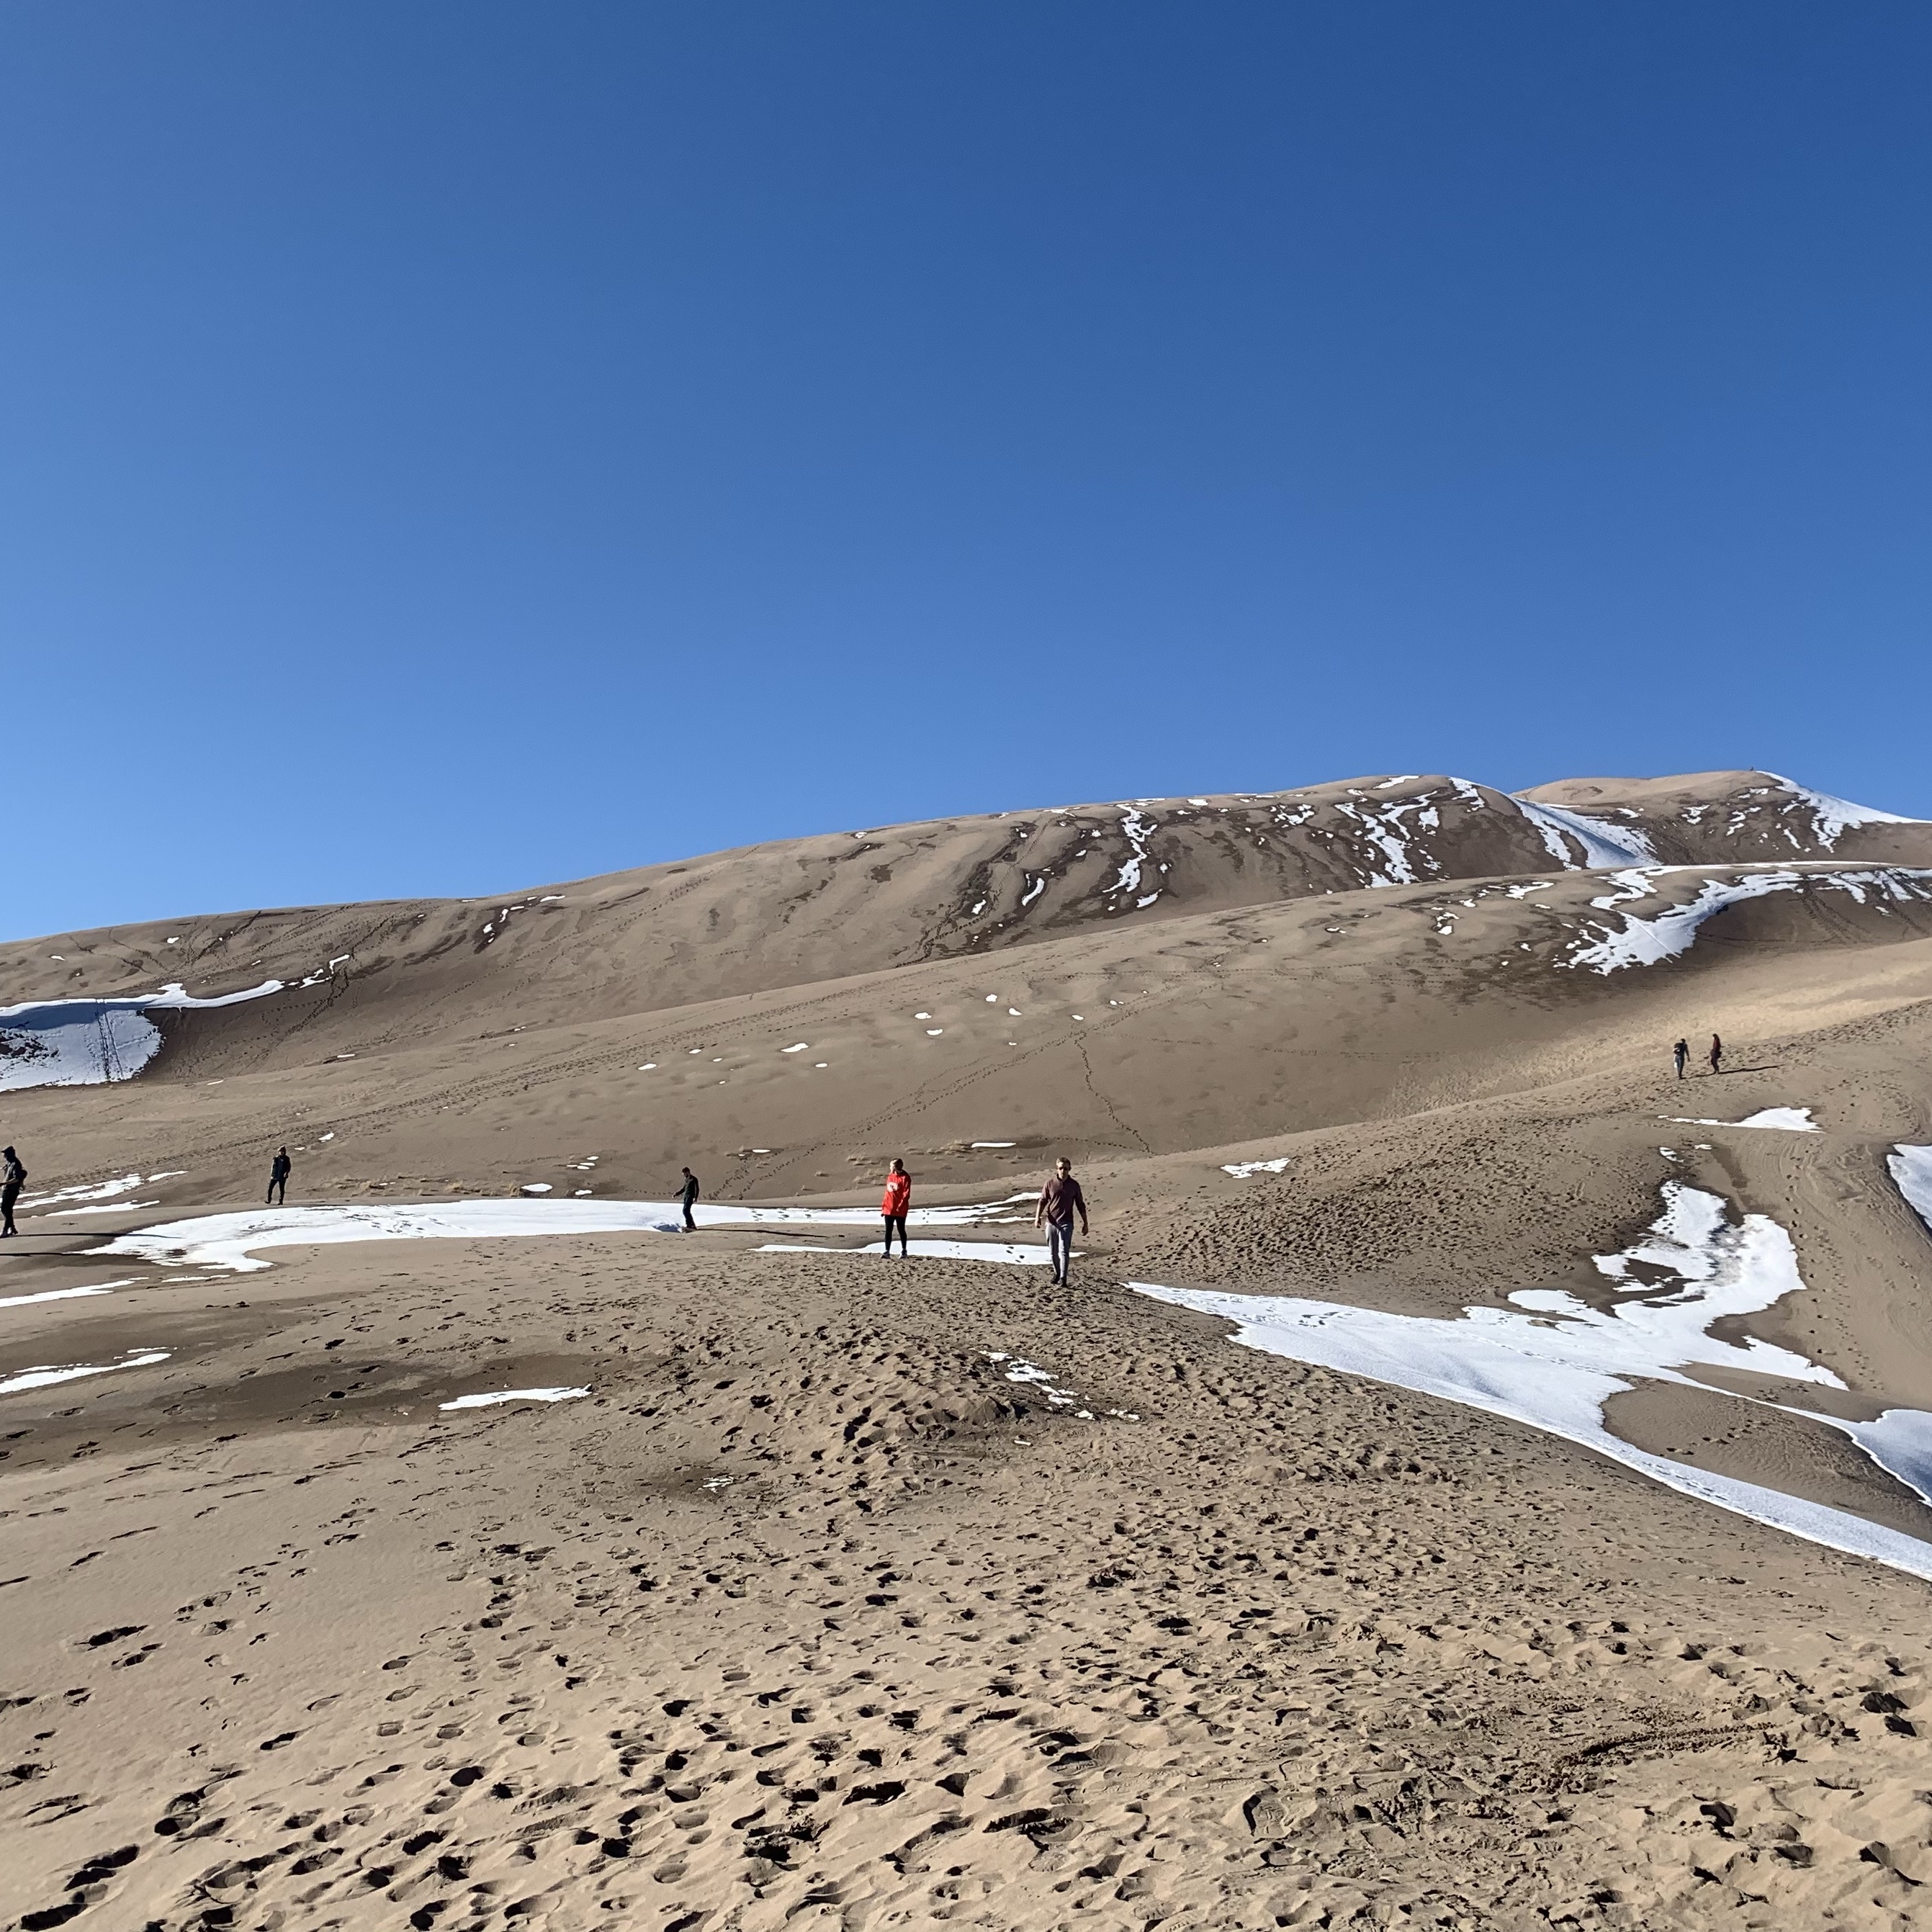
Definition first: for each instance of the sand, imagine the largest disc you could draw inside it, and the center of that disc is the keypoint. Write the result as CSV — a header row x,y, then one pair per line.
x,y
865,1593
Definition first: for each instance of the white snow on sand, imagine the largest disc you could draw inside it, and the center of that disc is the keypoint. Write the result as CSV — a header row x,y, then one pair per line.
x,y
34,1378
1830,816
1900,1443
1241,1169
1385,828
1139,830
99,1190
1788,1120
495,1396
1644,942
1602,844
232,1241
65,1294
87,1043
1912,1171
1028,1252
1552,1360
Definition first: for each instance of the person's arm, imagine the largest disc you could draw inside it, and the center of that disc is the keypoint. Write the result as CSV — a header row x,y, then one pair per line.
x,y
1080,1198
1039,1213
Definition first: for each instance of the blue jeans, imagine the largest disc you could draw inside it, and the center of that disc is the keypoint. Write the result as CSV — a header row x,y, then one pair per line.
x,y
1060,1247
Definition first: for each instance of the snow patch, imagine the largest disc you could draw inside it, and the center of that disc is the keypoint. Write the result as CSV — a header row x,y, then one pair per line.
x,y
1028,1253
34,1378
1645,942
232,1241
1912,1173
495,1396
1551,1360
91,1043
1603,845
1139,830
65,1294
1831,816
1790,1120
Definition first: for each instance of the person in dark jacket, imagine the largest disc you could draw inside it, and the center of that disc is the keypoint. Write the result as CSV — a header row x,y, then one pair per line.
x,y
1717,1054
13,1178
1681,1052
280,1168
1060,1200
687,1194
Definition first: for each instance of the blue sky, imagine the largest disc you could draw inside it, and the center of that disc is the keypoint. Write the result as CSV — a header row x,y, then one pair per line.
x,y
446,448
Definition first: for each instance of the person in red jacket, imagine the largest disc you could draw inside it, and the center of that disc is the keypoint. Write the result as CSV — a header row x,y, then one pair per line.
x,y
898,1198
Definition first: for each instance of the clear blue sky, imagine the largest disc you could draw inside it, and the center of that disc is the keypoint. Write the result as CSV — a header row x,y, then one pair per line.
x,y
449,446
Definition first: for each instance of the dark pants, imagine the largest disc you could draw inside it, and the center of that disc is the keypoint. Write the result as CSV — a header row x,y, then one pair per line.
x,y
1680,1067
690,1226
9,1195
280,1185
898,1221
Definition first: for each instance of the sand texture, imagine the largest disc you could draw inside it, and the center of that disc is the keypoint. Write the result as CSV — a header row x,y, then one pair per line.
x,y
862,1594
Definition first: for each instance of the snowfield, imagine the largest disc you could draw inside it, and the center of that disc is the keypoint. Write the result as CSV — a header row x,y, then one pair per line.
x,y
90,1042
1551,1360
1666,935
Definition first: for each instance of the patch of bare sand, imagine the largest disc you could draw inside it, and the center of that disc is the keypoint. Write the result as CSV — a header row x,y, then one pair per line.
x,y
810,1615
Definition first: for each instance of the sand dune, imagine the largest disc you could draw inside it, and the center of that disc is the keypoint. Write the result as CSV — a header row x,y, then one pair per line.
x,y
861,1593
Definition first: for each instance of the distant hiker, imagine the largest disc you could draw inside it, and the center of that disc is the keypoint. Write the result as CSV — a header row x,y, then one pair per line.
x,y
13,1178
898,1198
1060,1200
1681,1052
1717,1054
280,1168
688,1193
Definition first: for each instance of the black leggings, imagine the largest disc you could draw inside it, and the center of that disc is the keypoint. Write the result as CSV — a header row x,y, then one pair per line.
x,y
280,1187
898,1221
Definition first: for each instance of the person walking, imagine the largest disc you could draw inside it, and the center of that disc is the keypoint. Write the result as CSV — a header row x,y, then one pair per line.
x,y
687,1194
1681,1052
280,1168
898,1198
13,1178
1717,1054
1060,1200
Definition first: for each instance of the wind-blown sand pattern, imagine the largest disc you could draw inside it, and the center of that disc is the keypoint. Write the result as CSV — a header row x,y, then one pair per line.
x,y
430,1553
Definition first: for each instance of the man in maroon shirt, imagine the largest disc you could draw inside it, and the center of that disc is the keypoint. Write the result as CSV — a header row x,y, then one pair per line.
x,y
1060,1200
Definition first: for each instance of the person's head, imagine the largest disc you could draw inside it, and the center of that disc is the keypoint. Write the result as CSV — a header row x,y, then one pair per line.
x,y
898,1165
1063,1167
686,1170
7,1151
281,1149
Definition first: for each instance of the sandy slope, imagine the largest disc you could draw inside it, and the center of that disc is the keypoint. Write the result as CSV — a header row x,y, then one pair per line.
x,y
808,1614
803,910
1284,1647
